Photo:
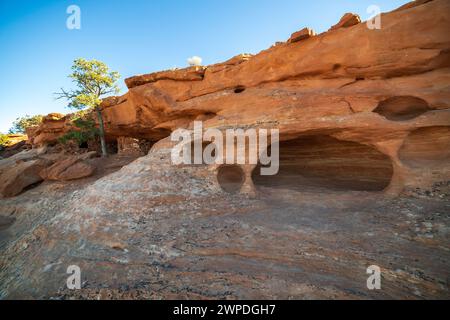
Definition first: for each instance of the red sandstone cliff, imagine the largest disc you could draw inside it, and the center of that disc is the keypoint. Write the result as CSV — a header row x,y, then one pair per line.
x,y
384,90
358,110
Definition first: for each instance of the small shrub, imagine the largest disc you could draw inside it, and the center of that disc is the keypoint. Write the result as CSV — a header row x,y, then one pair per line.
x,y
22,123
84,132
3,140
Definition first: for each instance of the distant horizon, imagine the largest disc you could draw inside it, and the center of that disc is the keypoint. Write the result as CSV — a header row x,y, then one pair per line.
x,y
40,48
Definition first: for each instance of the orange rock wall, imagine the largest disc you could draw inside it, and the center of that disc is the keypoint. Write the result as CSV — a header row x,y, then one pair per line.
x,y
388,89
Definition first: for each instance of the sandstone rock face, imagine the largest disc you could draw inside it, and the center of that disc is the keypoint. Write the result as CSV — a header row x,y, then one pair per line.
x,y
26,155
347,20
359,111
23,174
53,126
194,73
70,168
373,88
303,34
412,4
325,161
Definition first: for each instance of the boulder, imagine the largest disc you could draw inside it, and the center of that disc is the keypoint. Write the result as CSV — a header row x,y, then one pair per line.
x,y
20,176
347,20
303,34
70,168
77,170
26,155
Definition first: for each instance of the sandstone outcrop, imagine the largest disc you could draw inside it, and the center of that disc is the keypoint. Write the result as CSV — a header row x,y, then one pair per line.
x,y
370,91
347,20
359,111
195,73
303,34
53,126
31,166
71,168
26,155
20,176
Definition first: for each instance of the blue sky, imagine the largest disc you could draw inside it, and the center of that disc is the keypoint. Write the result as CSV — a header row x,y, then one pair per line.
x,y
141,36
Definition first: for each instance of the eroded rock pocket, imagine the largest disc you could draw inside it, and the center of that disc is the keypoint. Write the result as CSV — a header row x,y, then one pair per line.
x,y
322,161
426,147
402,108
230,178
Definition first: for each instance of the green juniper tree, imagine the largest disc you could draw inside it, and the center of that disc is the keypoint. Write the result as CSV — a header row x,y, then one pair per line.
x,y
93,80
22,123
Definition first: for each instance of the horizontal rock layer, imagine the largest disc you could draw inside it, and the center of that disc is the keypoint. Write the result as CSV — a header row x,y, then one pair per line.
x,y
371,87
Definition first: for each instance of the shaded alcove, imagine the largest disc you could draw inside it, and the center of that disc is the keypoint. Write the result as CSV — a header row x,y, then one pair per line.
x,y
321,161
230,178
402,108
83,145
426,147
112,147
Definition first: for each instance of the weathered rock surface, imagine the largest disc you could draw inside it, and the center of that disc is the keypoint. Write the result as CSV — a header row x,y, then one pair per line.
x,y
70,168
26,155
195,73
303,34
53,126
155,231
6,222
347,20
23,174
31,166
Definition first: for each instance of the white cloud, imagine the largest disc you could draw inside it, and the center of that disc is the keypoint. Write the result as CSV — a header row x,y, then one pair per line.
x,y
194,61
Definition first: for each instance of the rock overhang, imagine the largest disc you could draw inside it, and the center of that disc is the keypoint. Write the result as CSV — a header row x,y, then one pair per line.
x,y
336,83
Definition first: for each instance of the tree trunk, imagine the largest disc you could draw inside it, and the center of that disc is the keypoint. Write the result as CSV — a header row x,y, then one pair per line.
x,y
102,132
